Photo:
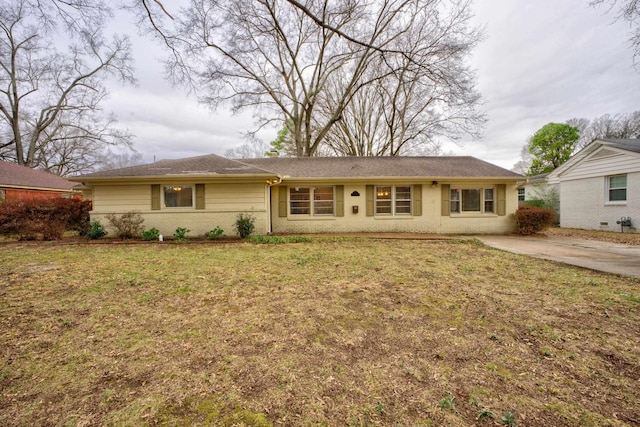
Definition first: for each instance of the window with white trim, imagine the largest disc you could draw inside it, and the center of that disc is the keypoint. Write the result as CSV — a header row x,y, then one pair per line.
x,y
521,194
472,200
393,200
315,201
617,188
177,196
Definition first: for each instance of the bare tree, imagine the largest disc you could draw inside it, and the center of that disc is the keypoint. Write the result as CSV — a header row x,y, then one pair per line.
x,y
308,61
429,94
626,10
50,100
526,158
621,126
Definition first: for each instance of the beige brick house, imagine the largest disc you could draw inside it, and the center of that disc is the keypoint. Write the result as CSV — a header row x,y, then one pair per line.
x,y
312,195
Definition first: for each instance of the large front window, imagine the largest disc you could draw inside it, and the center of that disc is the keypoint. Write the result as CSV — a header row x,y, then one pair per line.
x,y
617,188
472,200
311,201
393,200
178,196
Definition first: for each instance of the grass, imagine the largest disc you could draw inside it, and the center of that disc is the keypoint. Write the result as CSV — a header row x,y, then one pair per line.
x,y
320,332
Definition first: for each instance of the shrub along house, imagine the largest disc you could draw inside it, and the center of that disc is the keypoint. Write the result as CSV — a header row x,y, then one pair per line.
x,y
312,195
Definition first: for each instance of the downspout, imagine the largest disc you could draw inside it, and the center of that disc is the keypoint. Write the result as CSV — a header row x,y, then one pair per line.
x,y
271,183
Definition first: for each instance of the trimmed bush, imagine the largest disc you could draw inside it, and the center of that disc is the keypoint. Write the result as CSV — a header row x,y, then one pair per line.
x,y
30,218
128,225
152,234
532,220
181,234
245,225
96,231
215,233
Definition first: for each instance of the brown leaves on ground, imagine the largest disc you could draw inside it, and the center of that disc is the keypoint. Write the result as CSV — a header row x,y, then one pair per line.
x,y
355,332
605,236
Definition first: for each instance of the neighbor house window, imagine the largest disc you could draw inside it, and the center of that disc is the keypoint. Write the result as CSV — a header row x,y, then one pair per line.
x,y
393,200
472,200
520,194
617,188
312,201
178,196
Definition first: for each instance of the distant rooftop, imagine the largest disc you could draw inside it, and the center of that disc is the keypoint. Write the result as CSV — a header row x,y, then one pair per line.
x,y
14,175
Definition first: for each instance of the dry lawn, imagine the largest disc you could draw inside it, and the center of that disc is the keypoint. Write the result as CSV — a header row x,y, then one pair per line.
x,y
332,332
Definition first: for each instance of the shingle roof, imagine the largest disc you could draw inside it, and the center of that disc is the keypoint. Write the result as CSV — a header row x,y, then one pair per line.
x,y
14,175
624,144
367,167
315,167
209,164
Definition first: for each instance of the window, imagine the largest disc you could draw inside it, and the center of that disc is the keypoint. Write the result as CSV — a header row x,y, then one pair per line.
x,y
311,201
393,200
520,194
617,188
473,200
178,196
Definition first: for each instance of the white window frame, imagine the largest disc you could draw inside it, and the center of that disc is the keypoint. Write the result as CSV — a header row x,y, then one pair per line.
x,y
193,195
609,189
312,202
459,200
522,194
394,200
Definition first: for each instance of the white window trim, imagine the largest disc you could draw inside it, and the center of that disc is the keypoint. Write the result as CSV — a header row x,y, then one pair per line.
x,y
193,196
608,191
311,213
482,201
393,201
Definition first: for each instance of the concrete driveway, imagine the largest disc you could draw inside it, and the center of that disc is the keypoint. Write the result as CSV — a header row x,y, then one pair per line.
x,y
602,256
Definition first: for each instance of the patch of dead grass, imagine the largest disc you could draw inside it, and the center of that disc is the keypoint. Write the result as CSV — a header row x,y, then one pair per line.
x,y
353,332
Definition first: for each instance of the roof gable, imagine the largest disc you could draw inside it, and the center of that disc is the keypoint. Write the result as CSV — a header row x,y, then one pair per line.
x,y
596,150
18,176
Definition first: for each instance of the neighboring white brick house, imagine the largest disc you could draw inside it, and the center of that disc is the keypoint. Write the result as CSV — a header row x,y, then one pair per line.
x,y
600,185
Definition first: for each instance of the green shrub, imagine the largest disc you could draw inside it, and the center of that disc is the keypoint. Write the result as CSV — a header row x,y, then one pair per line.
x,y
96,230
128,225
215,233
531,220
181,234
152,234
245,225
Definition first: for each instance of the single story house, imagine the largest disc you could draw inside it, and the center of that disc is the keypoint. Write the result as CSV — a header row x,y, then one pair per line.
x,y
312,195
600,185
18,181
535,188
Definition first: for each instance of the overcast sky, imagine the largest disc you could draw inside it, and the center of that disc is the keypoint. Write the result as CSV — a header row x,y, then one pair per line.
x,y
542,61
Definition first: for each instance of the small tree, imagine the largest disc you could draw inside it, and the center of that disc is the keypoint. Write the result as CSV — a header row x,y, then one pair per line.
x,y
551,146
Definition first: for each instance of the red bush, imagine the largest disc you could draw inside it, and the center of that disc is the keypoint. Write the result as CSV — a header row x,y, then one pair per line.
x,y
532,220
31,218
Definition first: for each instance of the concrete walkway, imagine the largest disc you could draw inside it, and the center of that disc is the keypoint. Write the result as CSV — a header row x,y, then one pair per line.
x,y
602,256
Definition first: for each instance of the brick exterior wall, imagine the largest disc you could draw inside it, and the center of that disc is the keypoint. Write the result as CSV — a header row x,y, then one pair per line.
x,y
583,204
199,222
431,220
